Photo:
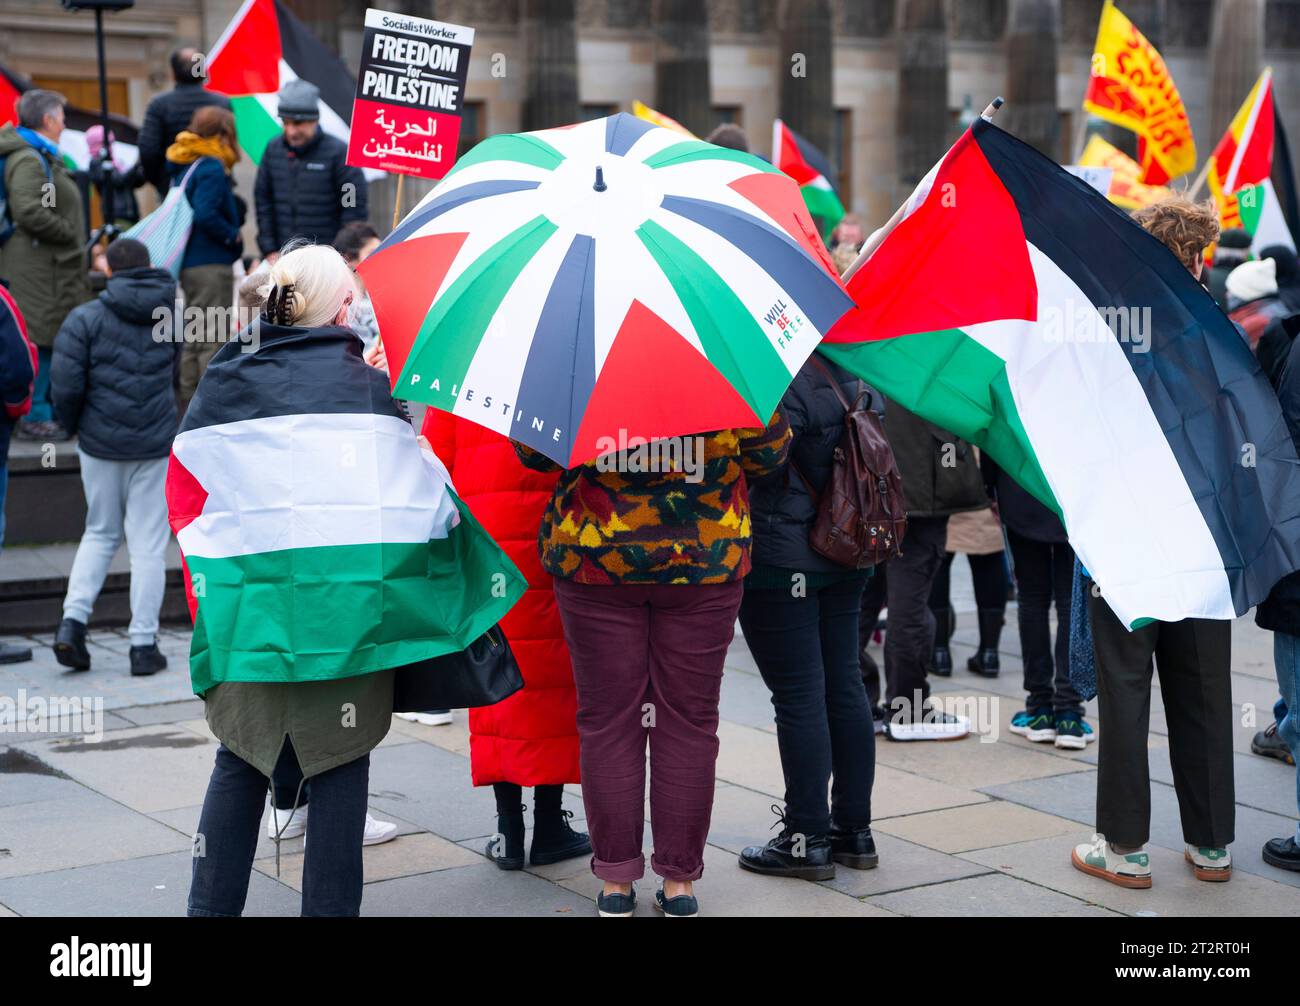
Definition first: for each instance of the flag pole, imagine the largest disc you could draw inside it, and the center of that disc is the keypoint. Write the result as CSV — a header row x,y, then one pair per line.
x,y
397,201
878,237
1195,190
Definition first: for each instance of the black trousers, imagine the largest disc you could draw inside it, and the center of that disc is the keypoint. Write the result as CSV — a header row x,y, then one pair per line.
x,y
1045,575
1193,658
873,603
988,574
806,649
909,636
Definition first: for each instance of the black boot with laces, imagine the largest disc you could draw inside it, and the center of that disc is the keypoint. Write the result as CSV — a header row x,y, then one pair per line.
x,y
791,854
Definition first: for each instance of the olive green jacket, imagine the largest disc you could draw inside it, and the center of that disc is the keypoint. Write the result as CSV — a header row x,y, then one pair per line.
x,y
44,260
329,723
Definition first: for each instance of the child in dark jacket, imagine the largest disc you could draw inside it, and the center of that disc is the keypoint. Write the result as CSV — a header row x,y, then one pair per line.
x,y
112,386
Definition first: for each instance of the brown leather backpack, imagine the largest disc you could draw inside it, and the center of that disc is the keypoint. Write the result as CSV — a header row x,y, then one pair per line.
x,y
861,516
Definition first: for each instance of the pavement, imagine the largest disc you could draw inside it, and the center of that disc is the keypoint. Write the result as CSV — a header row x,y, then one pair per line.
x,y
977,827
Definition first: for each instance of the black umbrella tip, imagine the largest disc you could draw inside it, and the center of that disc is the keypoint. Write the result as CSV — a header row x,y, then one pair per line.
x,y
600,185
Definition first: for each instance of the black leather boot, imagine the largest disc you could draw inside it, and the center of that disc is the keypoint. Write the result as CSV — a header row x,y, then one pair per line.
x,y
791,854
70,645
554,840
945,621
854,848
985,662
506,847
146,660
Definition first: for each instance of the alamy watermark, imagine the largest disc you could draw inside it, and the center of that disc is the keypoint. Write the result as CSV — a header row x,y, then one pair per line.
x,y
1084,322
189,323
639,455
52,714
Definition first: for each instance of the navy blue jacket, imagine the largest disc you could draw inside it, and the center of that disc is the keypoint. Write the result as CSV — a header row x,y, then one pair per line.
x,y
215,238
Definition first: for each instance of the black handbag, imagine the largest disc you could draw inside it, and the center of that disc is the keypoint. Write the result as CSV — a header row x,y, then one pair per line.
x,y
482,674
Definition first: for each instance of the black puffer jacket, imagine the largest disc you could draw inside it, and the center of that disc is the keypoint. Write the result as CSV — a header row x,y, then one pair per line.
x,y
940,472
111,381
782,510
301,192
1280,611
166,116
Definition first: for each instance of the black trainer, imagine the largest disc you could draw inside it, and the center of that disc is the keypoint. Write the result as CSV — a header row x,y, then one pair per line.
x,y
790,854
1283,853
70,645
941,662
684,906
12,653
1267,743
554,840
616,906
506,847
146,660
854,848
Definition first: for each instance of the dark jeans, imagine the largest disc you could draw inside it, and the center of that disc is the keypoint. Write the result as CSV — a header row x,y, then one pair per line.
x,y
228,827
647,663
873,602
1193,658
909,636
806,649
1044,574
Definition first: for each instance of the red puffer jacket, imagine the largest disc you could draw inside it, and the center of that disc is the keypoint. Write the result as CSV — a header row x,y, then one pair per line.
x,y
530,739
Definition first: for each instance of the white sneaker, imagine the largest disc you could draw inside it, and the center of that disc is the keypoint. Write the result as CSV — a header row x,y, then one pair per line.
x,y
377,832
934,725
428,719
280,822
1098,859
1209,864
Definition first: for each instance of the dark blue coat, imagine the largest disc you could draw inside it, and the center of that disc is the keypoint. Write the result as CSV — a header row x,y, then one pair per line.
x,y
110,379
215,238
306,192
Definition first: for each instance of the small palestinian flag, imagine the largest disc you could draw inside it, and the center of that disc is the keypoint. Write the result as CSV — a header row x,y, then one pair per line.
x,y
72,144
1241,170
319,540
808,166
262,48
1036,320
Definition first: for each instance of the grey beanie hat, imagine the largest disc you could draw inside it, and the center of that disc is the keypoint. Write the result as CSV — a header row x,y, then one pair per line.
x,y
299,100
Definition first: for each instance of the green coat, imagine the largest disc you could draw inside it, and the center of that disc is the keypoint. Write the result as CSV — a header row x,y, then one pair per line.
x,y
44,259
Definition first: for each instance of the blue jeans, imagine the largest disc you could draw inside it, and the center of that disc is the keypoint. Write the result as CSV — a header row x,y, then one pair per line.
x,y
228,827
42,408
1286,664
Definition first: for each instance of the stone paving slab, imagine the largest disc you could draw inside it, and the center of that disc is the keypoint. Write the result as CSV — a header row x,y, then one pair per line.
x,y
1174,891
149,885
896,793
988,895
431,788
74,831
958,763
979,826
165,712
404,856
125,765
903,865
477,890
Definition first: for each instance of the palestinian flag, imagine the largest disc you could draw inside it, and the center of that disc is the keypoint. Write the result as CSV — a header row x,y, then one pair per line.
x,y
1031,317
319,540
72,144
1241,170
808,166
262,48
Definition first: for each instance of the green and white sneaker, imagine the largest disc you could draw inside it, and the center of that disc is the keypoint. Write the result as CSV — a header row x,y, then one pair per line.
x,y
1098,859
1073,732
1213,865
1037,727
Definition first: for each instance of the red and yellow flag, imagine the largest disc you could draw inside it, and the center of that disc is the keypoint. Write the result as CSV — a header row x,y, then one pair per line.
x,y
1244,156
643,111
1131,87
1126,186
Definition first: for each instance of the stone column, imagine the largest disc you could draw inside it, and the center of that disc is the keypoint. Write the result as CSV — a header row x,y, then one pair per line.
x,y
681,30
922,128
550,36
806,100
1033,32
1236,59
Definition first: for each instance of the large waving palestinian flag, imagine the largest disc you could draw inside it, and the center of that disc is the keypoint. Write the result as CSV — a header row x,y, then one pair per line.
x,y
263,47
319,540
1014,306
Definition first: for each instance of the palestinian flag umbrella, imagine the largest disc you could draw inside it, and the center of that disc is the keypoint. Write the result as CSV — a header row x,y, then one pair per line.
x,y
809,167
1036,320
578,287
262,48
